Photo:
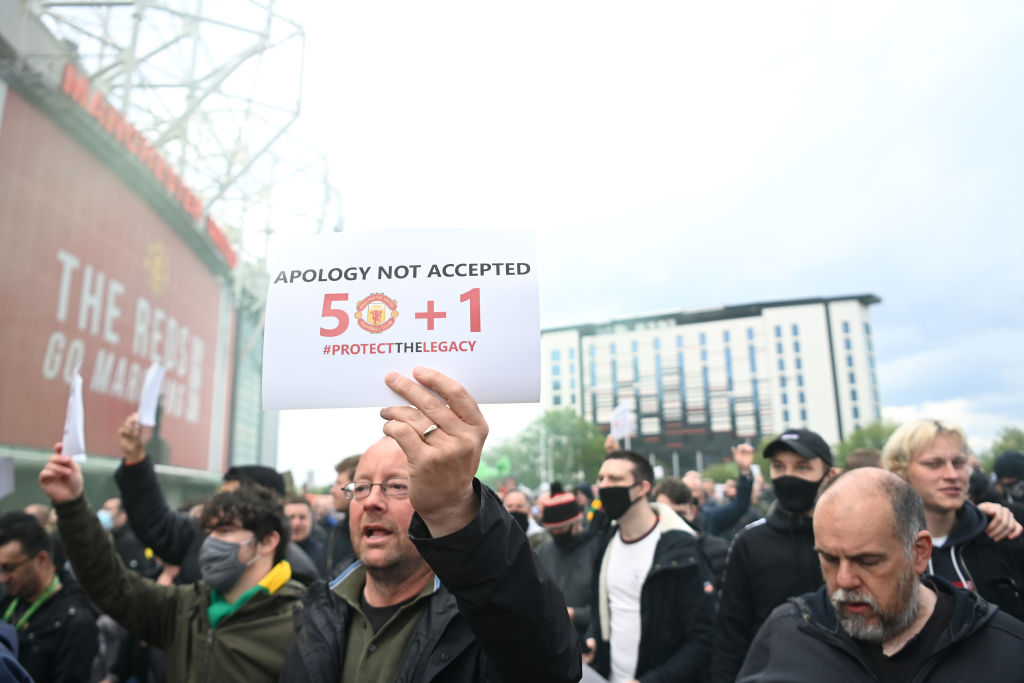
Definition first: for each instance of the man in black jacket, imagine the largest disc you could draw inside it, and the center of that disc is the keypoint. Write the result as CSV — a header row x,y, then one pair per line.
x,y
57,635
773,558
569,554
875,619
651,600
447,588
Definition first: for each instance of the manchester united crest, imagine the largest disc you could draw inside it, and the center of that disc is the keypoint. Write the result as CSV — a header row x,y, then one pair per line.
x,y
376,313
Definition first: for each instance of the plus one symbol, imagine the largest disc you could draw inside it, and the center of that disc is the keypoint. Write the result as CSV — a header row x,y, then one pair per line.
x,y
430,314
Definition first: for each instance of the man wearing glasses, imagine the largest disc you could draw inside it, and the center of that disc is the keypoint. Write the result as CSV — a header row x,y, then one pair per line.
x,y
446,587
57,636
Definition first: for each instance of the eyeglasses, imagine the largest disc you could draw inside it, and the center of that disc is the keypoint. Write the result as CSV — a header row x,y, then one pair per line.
x,y
10,567
394,488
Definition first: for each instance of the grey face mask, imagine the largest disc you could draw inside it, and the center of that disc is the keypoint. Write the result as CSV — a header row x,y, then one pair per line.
x,y
219,565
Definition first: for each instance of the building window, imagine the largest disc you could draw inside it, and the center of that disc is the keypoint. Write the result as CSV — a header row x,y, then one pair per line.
x,y
750,333
703,339
679,341
592,350
846,344
557,400
796,347
796,329
556,355
803,415
785,416
853,394
572,354
799,380
593,373
849,361
782,381
556,370
778,330
785,399
703,354
856,413
782,365
556,385
657,344
572,369
725,336
634,346
753,359
846,327
778,348
802,399
853,380
572,398
867,329
799,364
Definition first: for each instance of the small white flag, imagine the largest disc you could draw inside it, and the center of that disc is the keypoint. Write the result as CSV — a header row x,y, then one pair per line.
x,y
74,421
151,394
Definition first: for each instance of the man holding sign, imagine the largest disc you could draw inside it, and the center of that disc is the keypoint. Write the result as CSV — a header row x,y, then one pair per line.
x,y
447,588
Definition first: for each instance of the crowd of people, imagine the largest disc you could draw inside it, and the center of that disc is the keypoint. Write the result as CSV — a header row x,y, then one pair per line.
x,y
908,564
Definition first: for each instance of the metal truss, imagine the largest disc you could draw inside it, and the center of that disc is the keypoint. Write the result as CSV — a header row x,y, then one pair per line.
x,y
215,86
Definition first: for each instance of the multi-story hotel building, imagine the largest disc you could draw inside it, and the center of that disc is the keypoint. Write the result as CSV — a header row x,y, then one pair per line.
x,y
703,380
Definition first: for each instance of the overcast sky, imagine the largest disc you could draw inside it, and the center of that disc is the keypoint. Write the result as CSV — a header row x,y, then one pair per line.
x,y
685,155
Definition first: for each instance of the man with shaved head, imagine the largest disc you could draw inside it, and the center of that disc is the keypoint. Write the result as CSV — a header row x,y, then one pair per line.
x,y
876,617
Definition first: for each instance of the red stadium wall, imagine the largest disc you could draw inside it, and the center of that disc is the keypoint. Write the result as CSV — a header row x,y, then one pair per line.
x,y
90,274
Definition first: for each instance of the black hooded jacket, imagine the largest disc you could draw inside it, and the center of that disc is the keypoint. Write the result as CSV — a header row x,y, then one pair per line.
x,y
769,561
970,559
802,641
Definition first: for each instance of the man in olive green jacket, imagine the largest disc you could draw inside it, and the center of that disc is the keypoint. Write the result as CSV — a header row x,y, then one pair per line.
x,y
234,625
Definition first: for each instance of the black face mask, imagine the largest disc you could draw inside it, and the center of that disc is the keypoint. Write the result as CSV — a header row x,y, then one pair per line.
x,y
563,541
796,495
615,500
522,519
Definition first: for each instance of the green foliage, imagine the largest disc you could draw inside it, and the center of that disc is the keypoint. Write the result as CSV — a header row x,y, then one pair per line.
x,y
721,471
574,447
872,435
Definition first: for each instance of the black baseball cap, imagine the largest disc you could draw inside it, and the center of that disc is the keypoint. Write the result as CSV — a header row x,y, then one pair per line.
x,y
803,442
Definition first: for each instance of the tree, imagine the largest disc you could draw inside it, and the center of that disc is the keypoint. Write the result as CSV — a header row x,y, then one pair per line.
x,y
872,435
559,443
1007,439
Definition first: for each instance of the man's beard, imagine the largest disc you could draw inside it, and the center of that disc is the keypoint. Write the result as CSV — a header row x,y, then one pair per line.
x,y
888,623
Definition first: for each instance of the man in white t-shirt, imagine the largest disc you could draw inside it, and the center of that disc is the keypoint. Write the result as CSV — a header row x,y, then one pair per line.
x,y
652,606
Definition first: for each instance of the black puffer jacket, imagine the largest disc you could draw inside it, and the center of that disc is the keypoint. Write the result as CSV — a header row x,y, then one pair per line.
x,y
59,641
801,641
495,614
769,560
970,559
675,607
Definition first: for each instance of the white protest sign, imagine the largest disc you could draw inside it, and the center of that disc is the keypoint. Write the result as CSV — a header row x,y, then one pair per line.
x,y
74,421
344,309
623,423
150,397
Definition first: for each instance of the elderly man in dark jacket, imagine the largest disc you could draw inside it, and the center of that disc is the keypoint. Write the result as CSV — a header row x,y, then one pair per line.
x,y
876,619
447,588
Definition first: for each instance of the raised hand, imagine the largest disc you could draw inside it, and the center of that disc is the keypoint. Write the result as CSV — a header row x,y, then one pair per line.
x,y
61,478
130,435
743,454
442,439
